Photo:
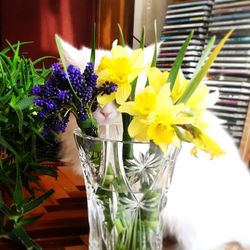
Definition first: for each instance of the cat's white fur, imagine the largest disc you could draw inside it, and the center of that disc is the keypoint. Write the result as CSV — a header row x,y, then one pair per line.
x,y
209,200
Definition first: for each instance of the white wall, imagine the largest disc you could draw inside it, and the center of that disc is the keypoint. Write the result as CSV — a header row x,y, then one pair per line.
x,y
146,11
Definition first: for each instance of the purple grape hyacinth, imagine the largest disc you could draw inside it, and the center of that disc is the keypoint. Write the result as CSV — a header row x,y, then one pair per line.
x,y
60,96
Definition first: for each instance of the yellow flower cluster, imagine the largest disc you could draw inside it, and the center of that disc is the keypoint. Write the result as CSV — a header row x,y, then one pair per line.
x,y
156,114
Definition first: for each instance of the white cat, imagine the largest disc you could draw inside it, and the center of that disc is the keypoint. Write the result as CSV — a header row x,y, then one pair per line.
x,y
209,200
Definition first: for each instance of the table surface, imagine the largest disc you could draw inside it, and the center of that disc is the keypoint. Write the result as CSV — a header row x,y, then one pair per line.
x,y
64,224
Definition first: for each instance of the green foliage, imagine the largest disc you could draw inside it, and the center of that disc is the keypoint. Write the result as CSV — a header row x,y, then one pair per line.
x,y
20,131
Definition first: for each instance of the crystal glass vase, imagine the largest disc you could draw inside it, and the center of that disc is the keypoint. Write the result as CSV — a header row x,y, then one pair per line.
x,y
127,185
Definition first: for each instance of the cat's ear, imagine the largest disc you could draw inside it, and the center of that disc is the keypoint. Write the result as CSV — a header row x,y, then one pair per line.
x,y
74,56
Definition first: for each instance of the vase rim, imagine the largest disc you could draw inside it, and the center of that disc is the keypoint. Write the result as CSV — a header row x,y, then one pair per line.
x,y
78,132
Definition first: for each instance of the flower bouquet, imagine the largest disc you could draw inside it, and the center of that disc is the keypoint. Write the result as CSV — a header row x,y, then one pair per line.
x,y
127,180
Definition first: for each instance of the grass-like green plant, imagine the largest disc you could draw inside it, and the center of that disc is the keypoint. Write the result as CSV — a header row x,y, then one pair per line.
x,y
20,132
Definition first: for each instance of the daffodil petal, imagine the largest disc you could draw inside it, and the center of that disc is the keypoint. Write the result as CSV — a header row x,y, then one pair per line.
x,y
138,129
118,52
156,78
128,107
136,58
163,99
146,100
180,85
123,93
198,98
105,99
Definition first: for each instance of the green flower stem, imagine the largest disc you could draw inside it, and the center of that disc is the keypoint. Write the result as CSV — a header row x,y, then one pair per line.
x,y
88,127
127,148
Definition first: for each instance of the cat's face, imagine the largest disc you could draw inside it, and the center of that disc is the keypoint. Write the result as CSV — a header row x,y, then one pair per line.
x,y
107,115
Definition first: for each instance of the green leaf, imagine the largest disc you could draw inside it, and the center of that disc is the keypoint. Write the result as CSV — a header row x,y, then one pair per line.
x,y
121,36
30,206
5,58
134,83
24,238
3,207
93,45
6,180
142,41
18,194
44,170
153,63
60,51
6,50
204,56
15,57
178,61
195,81
3,118
6,145
25,103
25,221
20,117
42,59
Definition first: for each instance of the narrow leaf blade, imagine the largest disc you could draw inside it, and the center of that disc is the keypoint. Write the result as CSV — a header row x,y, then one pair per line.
x,y
30,206
194,82
122,41
204,55
18,194
154,59
178,61
93,45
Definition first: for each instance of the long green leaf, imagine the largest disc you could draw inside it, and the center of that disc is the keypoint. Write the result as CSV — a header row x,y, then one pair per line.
x,y
122,41
142,41
60,51
15,57
178,61
28,220
154,59
93,44
25,103
134,83
18,194
3,118
30,206
6,50
23,237
19,116
6,58
3,207
6,145
42,59
194,82
204,56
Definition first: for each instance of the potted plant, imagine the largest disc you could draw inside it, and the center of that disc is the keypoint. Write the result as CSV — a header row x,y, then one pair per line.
x,y
20,133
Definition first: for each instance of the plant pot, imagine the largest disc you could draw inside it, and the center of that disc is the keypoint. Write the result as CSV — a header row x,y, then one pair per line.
x,y
126,194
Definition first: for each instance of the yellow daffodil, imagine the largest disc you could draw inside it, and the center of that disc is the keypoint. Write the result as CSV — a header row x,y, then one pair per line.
x,y
121,68
156,78
167,114
202,141
199,99
154,116
142,109
180,86
207,144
